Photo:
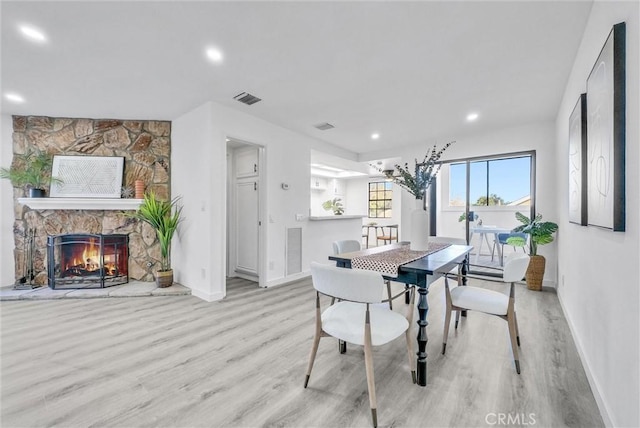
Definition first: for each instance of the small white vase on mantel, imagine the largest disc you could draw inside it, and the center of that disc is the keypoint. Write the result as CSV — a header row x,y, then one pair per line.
x,y
419,227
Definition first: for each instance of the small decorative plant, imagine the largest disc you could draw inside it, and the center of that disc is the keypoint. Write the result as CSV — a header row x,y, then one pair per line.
x,y
31,170
164,217
334,204
418,181
540,232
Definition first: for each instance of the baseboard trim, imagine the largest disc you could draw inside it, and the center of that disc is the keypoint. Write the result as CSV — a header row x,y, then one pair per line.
x,y
288,279
207,297
595,388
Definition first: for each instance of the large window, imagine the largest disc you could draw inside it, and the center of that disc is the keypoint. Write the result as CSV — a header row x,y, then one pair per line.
x,y
380,196
493,182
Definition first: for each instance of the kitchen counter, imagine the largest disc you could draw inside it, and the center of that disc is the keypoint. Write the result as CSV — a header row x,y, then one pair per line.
x,y
335,217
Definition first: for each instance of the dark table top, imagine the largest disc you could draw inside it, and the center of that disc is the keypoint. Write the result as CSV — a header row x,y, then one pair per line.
x,y
440,261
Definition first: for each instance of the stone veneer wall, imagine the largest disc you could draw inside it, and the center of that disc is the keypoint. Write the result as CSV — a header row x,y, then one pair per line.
x,y
146,147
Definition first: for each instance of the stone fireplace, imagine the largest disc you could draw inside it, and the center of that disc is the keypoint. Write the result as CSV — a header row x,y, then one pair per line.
x,y
146,147
87,261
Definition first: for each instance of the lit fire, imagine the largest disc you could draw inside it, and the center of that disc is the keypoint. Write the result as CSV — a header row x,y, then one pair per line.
x,y
85,260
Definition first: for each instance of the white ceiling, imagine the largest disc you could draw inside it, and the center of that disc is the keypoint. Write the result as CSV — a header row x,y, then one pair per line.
x,y
409,71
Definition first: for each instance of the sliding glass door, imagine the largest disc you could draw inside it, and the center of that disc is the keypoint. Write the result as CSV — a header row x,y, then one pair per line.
x,y
477,200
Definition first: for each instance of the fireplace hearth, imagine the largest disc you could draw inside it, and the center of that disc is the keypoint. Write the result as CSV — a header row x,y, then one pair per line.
x,y
87,260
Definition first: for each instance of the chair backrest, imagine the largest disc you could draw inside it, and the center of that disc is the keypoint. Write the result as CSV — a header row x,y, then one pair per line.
x,y
515,267
348,284
347,246
447,240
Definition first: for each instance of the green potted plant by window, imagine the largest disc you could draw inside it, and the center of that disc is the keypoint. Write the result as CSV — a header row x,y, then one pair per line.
x,y
164,217
540,233
31,171
334,204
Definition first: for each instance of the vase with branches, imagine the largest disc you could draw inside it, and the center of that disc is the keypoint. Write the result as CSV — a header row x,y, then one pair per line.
x,y
418,180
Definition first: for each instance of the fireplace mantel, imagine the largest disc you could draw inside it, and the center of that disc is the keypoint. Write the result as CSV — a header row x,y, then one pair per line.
x,y
80,203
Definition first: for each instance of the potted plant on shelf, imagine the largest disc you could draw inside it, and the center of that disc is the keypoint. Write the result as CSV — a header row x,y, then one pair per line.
x,y
334,204
164,217
32,171
540,233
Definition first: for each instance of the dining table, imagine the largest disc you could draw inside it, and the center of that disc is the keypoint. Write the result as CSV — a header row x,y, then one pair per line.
x,y
421,272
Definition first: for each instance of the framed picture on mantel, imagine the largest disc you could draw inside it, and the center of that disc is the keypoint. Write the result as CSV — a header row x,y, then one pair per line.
x,y
87,176
606,135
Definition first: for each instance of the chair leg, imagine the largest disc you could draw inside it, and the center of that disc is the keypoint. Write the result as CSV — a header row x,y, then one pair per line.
x,y
407,294
457,319
389,295
412,355
447,321
511,320
493,249
368,362
316,340
409,335
515,320
312,358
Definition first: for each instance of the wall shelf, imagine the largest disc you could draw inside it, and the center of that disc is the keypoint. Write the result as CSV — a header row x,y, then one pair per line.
x,y
81,203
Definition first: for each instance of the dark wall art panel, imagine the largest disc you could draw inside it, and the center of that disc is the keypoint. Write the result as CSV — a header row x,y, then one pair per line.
x,y
606,135
578,162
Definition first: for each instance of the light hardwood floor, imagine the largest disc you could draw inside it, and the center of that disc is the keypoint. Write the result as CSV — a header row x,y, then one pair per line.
x,y
181,362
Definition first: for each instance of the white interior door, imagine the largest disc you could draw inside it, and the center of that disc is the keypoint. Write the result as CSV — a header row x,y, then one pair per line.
x,y
247,218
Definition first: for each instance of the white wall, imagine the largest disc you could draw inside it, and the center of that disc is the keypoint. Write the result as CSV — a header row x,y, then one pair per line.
x,y
197,257
599,269
199,175
7,271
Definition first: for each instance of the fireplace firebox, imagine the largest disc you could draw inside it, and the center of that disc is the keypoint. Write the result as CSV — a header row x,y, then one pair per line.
x,y
87,260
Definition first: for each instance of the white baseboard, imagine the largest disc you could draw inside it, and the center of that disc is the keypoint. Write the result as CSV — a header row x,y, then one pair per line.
x,y
288,279
207,297
602,406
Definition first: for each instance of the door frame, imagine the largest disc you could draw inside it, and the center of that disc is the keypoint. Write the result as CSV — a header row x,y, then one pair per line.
x,y
262,208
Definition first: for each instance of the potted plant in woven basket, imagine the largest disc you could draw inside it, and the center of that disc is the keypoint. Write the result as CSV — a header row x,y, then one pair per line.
x,y
540,233
164,217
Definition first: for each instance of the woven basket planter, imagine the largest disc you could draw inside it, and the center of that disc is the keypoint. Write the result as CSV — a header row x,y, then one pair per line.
x,y
164,278
535,273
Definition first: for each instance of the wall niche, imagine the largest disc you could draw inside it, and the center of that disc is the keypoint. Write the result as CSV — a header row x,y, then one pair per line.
x,y
146,148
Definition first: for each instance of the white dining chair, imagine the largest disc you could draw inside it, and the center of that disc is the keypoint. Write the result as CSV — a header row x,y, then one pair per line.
x,y
356,319
472,298
349,246
346,246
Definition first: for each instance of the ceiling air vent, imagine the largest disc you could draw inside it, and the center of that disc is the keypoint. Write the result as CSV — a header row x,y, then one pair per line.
x,y
324,126
247,98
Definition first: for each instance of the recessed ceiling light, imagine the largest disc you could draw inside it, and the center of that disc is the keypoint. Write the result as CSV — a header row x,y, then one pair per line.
x,y
33,33
214,54
471,117
375,136
13,97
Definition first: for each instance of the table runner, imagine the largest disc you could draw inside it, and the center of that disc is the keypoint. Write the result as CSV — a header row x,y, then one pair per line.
x,y
388,262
